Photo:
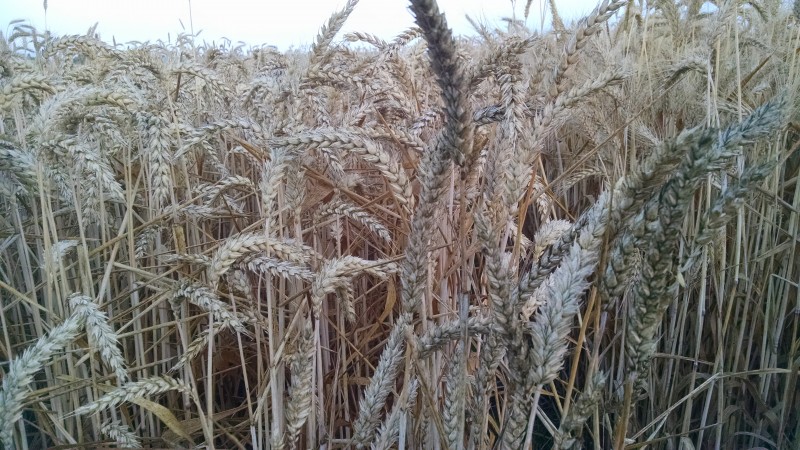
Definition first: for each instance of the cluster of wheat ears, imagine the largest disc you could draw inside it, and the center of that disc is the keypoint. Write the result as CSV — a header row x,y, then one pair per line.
x,y
581,238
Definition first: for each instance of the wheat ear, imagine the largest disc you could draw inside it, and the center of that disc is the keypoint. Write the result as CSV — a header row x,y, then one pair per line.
x,y
455,397
301,390
457,135
389,431
569,431
248,243
380,385
133,390
100,333
121,434
21,370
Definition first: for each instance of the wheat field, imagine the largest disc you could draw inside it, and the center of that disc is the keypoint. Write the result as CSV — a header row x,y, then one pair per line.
x,y
582,238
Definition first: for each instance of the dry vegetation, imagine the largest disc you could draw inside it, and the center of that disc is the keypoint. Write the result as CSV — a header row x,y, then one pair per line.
x,y
585,238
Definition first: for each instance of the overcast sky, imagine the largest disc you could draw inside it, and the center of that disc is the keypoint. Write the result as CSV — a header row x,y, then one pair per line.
x,y
283,23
